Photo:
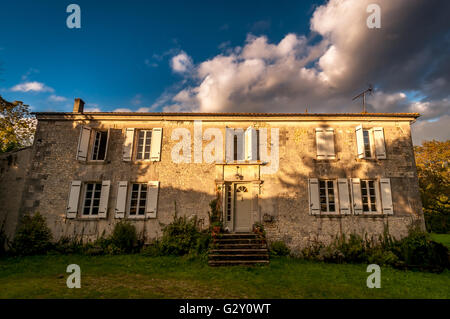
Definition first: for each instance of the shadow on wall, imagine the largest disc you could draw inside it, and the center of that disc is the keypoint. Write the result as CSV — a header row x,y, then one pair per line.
x,y
284,195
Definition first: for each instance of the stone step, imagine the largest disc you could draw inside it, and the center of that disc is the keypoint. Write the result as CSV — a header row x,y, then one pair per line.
x,y
239,251
239,236
238,257
240,246
237,262
240,241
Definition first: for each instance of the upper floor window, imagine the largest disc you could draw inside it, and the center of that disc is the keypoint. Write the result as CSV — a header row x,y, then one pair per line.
x,y
99,146
243,145
92,144
370,142
325,143
367,148
144,144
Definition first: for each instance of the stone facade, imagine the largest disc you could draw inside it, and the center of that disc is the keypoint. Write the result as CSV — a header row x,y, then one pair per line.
x,y
281,198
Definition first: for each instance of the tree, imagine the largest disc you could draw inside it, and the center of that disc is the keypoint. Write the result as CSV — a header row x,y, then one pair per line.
x,y
434,181
17,126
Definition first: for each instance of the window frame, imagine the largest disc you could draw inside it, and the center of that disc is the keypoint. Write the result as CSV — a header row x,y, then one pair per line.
x,y
136,145
83,198
130,197
92,146
376,195
327,197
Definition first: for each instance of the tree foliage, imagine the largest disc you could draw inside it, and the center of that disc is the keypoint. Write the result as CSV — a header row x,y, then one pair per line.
x,y
434,180
17,126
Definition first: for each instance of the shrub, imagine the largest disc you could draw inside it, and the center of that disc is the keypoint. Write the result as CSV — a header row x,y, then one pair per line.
x,y
33,236
67,245
123,239
418,251
3,240
181,237
279,248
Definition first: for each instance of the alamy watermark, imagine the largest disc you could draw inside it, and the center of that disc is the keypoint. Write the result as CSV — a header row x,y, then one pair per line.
x,y
240,146
73,21
374,279
74,280
374,19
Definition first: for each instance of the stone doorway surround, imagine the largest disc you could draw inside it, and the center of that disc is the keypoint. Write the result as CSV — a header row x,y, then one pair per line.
x,y
227,176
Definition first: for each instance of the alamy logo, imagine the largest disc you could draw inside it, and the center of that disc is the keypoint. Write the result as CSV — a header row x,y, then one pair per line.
x,y
240,146
374,19
374,280
74,19
74,280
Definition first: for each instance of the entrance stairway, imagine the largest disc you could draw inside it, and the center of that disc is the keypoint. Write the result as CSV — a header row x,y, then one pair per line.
x,y
238,249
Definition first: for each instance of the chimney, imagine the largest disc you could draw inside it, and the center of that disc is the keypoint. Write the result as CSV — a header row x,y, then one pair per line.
x,y
78,106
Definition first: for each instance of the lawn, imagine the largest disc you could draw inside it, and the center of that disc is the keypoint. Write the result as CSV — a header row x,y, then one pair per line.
x,y
137,276
442,238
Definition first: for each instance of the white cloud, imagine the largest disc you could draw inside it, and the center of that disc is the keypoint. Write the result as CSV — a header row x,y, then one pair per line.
x,y
181,63
122,110
426,130
92,109
56,98
31,87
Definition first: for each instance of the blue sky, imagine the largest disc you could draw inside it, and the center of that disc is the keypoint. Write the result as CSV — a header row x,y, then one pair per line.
x,y
120,58
231,56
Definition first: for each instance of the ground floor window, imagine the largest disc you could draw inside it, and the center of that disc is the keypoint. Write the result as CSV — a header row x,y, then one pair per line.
x,y
138,199
368,195
327,196
91,203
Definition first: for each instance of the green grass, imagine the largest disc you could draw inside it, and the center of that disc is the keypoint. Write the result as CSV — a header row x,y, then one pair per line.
x,y
137,276
441,238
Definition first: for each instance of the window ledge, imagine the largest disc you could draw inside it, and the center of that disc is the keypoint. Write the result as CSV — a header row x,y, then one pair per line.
x,y
326,160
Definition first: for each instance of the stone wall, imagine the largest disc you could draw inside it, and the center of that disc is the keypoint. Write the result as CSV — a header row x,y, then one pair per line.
x,y
13,174
191,186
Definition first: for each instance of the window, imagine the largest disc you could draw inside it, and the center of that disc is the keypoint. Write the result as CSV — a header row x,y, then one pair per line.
x,y
138,199
143,145
368,196
100,144
327,196
228,202
91,203
367,149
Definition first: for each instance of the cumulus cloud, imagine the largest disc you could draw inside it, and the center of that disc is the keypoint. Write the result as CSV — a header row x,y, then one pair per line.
x,y
322,71
56,98
181,63
31,87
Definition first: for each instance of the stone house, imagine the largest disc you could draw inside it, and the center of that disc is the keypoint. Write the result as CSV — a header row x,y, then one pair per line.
x,y
306,177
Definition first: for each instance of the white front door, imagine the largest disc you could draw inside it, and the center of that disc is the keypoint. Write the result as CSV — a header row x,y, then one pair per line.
x,y
242,208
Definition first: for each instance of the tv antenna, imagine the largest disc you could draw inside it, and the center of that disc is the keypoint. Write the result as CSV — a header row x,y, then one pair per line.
x,y
363,94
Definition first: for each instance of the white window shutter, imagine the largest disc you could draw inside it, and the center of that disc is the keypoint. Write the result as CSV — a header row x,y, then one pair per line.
x,y
360,141
107,143
74,197
121,199
152,199
83,143
314,203
155,148
104,196
325,143
380,148
251,146
356,196
128,144
386,196
344,198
